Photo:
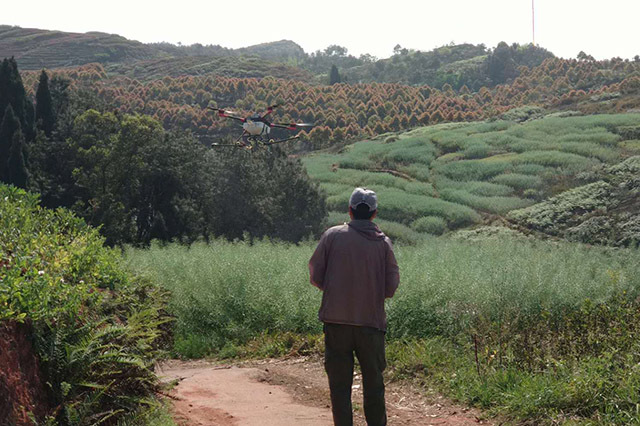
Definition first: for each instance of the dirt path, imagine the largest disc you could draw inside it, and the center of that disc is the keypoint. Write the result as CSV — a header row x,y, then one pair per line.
x,y
289,392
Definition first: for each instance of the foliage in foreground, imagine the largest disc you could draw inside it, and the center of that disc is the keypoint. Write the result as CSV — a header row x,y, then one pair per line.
x,y
542,315
97,330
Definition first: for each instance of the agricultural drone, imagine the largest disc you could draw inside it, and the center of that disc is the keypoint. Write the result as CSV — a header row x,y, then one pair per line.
x,y
256,129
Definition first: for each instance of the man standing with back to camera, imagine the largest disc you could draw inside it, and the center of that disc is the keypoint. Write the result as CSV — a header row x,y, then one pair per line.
x,y
356,269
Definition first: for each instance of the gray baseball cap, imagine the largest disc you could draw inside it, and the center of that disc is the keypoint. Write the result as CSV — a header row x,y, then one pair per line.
x,y
364,196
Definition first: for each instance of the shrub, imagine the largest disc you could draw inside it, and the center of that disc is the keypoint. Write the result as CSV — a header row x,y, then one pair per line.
x,y
472,169
629,132
402,207
97,329
529,169
522,114
564,209
498,205
337,218
475,187
430,225
631,145
554,159
480,150
590,149
398,233
518,181
419,188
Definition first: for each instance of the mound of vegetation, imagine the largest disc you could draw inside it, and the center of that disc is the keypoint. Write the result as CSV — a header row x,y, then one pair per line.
x,y
96,329
451,176
603,212
538,331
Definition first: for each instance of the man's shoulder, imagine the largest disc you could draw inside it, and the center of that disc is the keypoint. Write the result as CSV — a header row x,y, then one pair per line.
x,y
336,229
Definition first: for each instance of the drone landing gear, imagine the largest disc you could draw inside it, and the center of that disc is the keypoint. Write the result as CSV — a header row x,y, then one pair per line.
x,y
272,142
251,142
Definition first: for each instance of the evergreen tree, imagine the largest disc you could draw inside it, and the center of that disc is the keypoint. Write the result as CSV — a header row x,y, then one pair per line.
x,y
12,93
334,75
501,65
44,106
8,127
17,173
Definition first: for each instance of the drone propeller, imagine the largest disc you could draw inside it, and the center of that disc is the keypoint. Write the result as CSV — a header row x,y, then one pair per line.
x,y
227,114
225,144
291,126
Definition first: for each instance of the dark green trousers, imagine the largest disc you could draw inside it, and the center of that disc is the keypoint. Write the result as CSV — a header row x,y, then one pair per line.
x,y
341,341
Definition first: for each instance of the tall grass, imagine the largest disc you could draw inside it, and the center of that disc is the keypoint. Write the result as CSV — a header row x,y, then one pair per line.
x,y
396,231
498,205
225,290
518,181
541,331
472,169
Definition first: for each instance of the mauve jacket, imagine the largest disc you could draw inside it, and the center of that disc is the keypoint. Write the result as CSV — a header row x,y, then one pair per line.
x,y
356,269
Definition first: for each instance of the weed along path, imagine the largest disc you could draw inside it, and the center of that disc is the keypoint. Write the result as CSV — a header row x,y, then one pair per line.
x,y
287,393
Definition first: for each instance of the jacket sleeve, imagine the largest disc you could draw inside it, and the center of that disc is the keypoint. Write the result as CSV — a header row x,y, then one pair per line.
x,y
318,263
392,272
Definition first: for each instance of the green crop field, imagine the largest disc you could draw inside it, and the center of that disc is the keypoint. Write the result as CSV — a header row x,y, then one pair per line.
x,y
463,173
553,324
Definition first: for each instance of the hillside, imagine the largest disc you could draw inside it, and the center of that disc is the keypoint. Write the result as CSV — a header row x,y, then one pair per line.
x,y
451,176
225,66
473,66
469,65
37,49
342,112
603,212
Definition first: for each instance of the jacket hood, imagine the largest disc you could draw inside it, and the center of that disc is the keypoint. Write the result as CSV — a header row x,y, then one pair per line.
x,y
367,229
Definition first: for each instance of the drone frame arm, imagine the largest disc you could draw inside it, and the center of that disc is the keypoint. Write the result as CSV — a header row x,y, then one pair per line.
x,y
225,114
270,110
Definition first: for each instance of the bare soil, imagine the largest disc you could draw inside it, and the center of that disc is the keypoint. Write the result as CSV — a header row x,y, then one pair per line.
x,y
290,392
22,390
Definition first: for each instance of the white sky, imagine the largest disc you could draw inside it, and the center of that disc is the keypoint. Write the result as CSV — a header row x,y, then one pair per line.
x,y
603,29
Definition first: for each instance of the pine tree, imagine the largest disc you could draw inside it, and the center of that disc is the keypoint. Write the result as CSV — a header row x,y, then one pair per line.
x,y
8,127
334,75
11,89
44,106
17,173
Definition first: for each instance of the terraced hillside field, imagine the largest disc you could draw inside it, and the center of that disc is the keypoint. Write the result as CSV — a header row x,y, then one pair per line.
x,y
227,66
450,176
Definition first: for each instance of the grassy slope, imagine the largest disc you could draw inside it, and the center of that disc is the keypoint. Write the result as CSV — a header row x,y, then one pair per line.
x,y
469,173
